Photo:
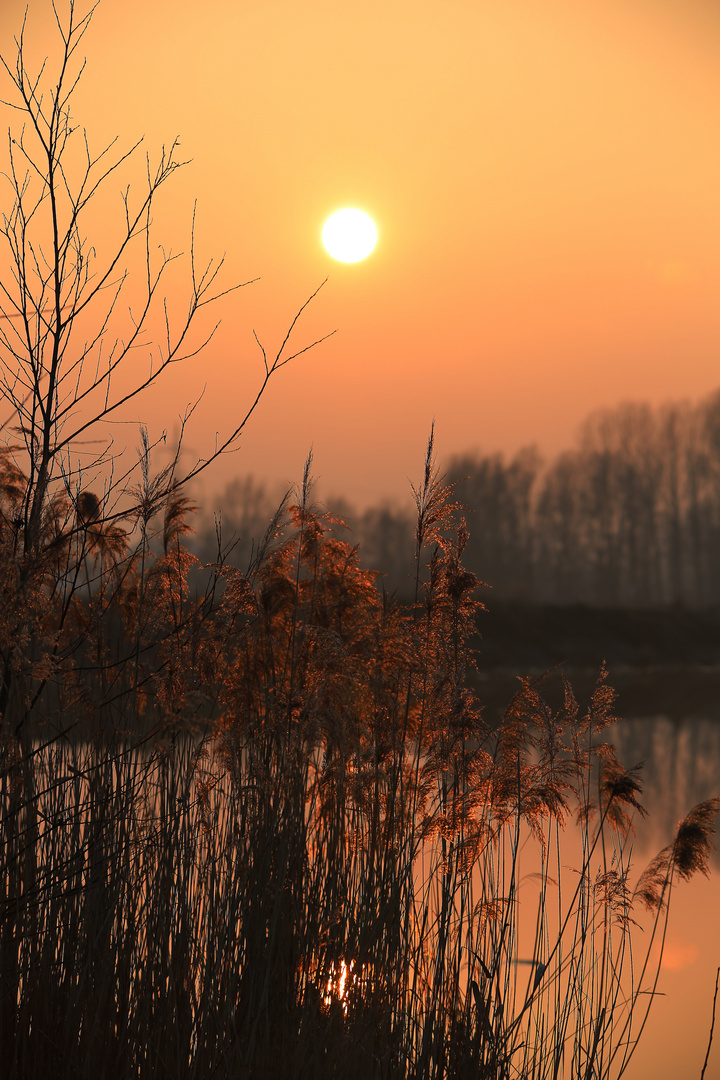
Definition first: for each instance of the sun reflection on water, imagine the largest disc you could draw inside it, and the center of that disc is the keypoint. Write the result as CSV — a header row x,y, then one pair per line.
x,y
345,981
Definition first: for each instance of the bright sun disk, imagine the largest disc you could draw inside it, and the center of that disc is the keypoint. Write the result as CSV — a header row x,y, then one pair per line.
x,y
349,235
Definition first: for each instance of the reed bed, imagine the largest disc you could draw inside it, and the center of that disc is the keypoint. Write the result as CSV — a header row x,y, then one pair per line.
x,y
279,840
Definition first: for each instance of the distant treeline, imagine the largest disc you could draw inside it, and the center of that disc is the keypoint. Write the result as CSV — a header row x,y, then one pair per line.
x,y
630,517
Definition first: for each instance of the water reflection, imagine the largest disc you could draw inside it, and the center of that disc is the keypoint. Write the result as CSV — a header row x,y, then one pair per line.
x,y
681,768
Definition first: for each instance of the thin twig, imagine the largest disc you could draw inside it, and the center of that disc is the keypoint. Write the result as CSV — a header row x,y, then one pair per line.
x,y
712,1025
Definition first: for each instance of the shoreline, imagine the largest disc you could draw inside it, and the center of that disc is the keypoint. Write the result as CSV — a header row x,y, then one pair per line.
x,y
676,692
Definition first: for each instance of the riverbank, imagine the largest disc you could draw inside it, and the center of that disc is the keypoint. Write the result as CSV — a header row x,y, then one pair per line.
x,y
661,662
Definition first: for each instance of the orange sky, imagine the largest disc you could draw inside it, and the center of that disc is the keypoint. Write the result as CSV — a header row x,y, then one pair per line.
x,y
544,175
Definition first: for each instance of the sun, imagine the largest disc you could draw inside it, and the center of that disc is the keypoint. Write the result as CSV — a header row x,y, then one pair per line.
x,y
349,235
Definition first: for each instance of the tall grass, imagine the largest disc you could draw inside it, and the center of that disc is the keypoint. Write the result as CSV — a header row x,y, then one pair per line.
x,y
317,860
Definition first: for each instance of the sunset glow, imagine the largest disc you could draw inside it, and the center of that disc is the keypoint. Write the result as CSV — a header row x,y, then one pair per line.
x,y
360,463
546,182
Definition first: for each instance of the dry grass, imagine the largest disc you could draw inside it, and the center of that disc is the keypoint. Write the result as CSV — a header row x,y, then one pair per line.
x,y
277,839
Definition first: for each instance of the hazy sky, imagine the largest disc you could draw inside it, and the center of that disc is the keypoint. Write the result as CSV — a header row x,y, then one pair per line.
x,y
544,175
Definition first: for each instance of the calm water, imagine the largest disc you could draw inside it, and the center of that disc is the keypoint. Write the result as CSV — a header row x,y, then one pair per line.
x,y
682,768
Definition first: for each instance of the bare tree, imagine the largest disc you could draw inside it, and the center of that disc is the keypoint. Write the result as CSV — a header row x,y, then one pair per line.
x,y
501,495
64,340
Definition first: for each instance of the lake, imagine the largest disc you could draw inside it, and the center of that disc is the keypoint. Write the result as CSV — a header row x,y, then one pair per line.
x,y
681,758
